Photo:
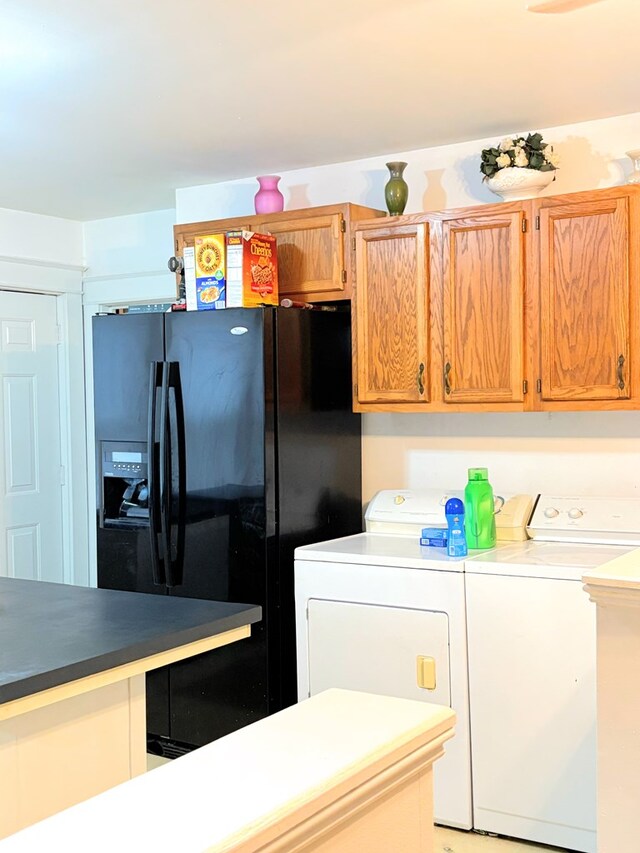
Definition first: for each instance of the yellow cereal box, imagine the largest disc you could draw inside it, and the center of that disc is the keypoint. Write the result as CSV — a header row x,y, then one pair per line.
x,y
252,269
209,291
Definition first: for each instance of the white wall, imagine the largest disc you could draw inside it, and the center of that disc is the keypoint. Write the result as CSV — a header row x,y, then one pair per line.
x,y
26,237
561,453
593,155
126,258
590,453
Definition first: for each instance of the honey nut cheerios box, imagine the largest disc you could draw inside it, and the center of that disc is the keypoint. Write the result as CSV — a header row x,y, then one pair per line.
x,y
252,269
208,291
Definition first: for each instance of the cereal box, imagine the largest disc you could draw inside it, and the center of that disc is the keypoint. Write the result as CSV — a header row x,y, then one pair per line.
x,y
252,270
210,266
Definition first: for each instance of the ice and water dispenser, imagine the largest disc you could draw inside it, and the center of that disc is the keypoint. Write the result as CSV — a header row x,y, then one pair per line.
x,y
124,479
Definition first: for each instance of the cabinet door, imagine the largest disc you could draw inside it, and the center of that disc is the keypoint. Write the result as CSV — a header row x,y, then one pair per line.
x,y
392,292
482,308
585,299
376,649
311,256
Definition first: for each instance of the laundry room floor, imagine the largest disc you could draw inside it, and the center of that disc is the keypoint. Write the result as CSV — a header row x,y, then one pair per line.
x,y
456,841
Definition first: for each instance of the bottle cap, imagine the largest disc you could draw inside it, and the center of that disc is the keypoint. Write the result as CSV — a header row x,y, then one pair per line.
x,y
478,473
454,506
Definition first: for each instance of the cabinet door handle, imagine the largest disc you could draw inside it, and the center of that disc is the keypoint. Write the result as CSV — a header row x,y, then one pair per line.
x,y
620,373
420,378
426,672
447,381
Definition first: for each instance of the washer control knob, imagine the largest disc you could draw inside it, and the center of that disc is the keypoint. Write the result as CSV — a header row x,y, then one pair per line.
x,y
551,512
399,499
575,513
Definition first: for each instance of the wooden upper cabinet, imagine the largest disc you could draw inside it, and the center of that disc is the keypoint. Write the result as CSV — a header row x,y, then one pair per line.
x,y
585,297
392,293
311,256
482,295
313,249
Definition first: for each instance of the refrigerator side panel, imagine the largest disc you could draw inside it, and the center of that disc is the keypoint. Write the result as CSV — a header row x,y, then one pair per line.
x,y
220,356
318,450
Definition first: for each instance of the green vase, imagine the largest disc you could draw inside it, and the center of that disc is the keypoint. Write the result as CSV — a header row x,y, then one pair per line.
x,y
396,191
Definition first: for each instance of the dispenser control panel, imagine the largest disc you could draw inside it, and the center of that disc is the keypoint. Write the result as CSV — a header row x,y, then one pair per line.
x,y
124,459
129,462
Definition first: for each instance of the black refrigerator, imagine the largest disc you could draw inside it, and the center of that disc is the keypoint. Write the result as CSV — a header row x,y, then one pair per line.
x,y
224,440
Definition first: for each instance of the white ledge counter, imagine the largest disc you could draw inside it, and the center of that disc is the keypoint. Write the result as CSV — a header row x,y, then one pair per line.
x,y
615,589
342,772
72,685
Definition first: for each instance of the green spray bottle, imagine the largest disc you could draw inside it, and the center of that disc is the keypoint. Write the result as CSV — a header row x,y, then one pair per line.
x,y
480,523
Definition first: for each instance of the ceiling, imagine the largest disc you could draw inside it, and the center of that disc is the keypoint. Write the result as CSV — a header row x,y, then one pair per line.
x,y
107,106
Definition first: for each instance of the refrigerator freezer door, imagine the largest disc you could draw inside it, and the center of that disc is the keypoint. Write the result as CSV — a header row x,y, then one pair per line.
x,y
124,347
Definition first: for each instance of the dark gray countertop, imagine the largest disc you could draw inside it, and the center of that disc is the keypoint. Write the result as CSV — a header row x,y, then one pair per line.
x,y
52,633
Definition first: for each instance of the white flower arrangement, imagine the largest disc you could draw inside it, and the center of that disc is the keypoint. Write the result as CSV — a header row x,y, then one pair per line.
x,y
529,153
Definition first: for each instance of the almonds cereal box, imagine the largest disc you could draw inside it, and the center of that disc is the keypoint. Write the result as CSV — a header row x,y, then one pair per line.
x,y
252,269
210,268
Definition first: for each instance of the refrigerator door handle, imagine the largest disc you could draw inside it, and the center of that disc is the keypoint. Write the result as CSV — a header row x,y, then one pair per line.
x,y
157,559
164,478
177,478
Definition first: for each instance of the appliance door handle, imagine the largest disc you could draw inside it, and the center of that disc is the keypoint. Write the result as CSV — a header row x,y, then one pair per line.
x,y
177,478
154,463
164,478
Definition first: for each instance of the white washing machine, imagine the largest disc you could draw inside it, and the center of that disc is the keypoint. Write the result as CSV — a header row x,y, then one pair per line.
x,y
532,657
378,612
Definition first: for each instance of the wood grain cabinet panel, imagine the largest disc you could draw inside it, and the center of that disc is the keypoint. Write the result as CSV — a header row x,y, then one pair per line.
x,y
482,310
531,305
585,299
392,291
311,256
312,245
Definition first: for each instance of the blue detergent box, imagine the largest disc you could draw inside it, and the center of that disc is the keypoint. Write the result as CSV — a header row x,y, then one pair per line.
x,y
434,537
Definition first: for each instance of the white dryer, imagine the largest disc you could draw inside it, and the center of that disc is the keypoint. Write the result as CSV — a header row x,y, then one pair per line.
x,y
378,612
532,658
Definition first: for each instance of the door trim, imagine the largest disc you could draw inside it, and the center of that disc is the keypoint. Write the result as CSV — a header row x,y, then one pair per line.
x,y
64,282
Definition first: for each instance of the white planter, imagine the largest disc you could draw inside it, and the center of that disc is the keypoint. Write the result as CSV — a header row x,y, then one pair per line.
x,y
515,184
634,156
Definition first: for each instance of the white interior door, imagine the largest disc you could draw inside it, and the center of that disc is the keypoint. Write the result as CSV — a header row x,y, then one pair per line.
x,y
30,460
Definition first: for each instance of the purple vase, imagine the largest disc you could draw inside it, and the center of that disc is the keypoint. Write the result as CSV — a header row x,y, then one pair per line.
x,y
268,199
